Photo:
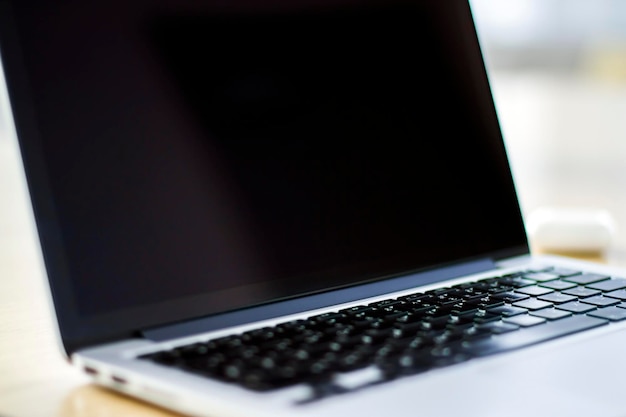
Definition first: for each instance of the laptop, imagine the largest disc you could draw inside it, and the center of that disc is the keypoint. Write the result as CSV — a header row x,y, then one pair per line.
x,y
295,209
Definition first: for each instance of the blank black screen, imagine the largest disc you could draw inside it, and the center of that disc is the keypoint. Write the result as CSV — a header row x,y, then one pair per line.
x,y
244,152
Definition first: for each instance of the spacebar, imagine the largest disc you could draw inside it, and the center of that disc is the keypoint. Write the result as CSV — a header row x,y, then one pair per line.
x,y
532,335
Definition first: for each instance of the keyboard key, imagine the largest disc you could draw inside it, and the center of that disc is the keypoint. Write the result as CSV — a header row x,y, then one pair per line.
x,y
564,272
510,297
413,297
489,302
540,268
576,307
534,290
619,294
533,335
532,304
610,313
557,298
356,310
525,320
581,292
551,313
386,303
485,317
507,311
585,279
600,301
516,282
499,327
609,285
558,285
542,276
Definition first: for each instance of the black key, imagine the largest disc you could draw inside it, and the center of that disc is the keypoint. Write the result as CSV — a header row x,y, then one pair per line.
x,y
193,350
619,294
386,303
373,336
507,311
473,296
509,297
564,272
392,317
444,310
499,327
575,307
489,285
557,298
212,365
534,290
610,313
600,301
485,317
551,313
406,329
558,285
168,357
418,310
413,297
435,323
465,308
542,276
330,318
381,323
462,321
584,279
532,304
356,310
353,360
490,302
513,274
477,332
227,342
609,285
438,291
532,335
290,328
411,317
263,380
250,351
581,292
234,370
524,320
539,268
516,282
351,341
264,334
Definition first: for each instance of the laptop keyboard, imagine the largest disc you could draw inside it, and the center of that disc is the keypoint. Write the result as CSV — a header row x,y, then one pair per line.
x,y
411,334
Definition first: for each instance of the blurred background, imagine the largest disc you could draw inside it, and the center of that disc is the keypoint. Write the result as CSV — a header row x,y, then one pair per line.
x,y
558,74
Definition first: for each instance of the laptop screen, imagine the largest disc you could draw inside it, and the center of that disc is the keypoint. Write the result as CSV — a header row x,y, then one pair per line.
x,y
226,154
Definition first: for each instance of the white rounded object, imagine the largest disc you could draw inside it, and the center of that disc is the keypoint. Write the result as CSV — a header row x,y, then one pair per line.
x,y
571,229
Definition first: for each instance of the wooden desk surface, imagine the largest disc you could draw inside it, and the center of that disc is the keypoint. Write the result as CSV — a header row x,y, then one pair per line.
x,y
36,381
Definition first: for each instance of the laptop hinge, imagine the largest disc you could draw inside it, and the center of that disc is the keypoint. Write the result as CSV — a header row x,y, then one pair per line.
x,y
311,302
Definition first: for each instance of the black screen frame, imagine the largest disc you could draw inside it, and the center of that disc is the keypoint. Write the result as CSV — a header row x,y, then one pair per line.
x,y
79,331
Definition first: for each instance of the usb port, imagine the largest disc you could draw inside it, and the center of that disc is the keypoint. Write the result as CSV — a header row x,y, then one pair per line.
x,y
118,379
91,371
